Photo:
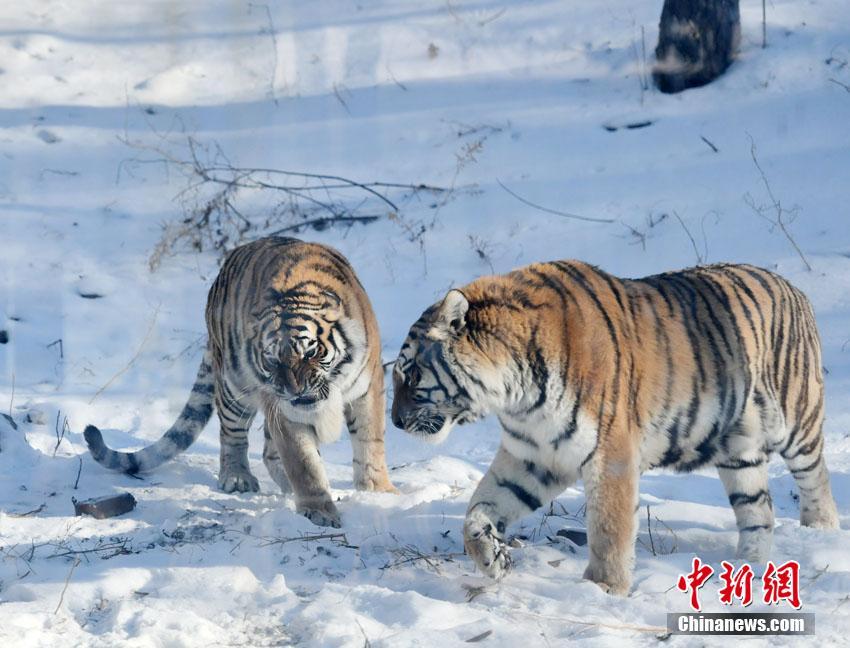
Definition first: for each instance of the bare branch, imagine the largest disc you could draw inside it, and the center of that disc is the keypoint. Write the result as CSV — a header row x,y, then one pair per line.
x,y
779,220
700,258
649,528
79,472
710,143
60,431
553,211
839,83
271,31
132,360
67,580
219,198
322,223
34,511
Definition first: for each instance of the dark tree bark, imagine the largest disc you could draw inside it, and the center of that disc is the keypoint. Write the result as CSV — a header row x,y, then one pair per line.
x,y
697,41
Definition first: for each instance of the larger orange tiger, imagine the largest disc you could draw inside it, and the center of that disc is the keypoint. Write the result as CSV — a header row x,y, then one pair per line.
x,y
601,378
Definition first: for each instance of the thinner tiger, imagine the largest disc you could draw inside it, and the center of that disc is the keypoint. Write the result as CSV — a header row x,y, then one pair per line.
x,y
602,378
291,332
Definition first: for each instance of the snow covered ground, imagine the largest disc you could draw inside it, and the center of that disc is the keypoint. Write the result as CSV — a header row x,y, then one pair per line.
x,y
466,94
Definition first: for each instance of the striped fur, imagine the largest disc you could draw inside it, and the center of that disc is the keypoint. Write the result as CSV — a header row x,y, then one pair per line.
x,y
291,332
601,378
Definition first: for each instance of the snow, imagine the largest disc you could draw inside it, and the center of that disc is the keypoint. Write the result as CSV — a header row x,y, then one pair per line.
x,y
514,93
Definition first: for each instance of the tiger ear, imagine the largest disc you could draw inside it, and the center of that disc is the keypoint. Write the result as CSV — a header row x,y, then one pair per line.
x,y
450,318
332,305
333,298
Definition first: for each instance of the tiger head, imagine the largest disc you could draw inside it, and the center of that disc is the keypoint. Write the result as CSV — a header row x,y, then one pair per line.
x,y
302,345
439,379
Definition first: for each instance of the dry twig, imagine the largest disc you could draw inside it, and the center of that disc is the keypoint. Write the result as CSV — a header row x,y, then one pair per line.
x,y
67,580
649,529
38,509
132,360
338,538
779,220
700,257
839,83
553,211
60,432
219,199
270,30
709,143
79,472
593,624
407,554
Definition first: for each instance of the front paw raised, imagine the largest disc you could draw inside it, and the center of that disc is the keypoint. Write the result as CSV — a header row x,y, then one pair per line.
x,y
323,514
486,547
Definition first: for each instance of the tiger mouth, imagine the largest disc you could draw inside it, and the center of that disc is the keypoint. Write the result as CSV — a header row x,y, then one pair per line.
x,y
306,400
466,417
426,426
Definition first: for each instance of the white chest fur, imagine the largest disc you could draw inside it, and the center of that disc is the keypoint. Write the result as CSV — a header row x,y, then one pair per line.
x,y
326,418
551,436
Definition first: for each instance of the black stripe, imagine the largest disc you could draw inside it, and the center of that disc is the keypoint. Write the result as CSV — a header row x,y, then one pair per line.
x,y
204,388
530,500
539,370
808,468
582,281
755,527
200,414
544,476
519,436
572,425
739,499
673,454
740,464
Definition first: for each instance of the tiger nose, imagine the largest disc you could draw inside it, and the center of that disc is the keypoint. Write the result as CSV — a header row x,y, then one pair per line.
x,y
292,382
397,419
399,411
396,413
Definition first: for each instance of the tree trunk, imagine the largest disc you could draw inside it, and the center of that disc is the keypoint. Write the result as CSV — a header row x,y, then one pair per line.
x,y
697,41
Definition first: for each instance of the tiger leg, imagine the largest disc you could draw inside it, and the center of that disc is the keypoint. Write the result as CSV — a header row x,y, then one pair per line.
x,y
298,447
510,489
817,506
235,417
611,490
272,460
746,485
365,419
743,471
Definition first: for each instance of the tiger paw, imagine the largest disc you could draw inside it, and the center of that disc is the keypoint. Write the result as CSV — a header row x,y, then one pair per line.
x,y
606,580
486,547
235,479
324,515
376,484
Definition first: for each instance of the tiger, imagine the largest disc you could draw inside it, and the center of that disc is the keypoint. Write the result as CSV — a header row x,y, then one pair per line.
x,y
291,331
601,378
